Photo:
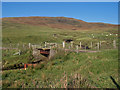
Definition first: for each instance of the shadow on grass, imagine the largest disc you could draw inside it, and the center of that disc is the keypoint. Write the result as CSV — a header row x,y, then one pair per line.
x,y
113,80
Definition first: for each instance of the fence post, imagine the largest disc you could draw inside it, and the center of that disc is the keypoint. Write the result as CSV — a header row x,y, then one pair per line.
x,y
72,44
80,45
63,44
45,44
19,52
98,45
77,48
29,45
114,43
85,48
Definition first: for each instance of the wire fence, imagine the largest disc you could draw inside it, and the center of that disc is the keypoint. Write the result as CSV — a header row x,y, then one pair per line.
x,y
63,45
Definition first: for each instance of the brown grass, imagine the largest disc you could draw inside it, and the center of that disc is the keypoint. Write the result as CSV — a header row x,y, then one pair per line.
x,y
58,22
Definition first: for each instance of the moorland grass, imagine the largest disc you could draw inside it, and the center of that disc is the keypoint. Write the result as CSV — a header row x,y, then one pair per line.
x,y
95,69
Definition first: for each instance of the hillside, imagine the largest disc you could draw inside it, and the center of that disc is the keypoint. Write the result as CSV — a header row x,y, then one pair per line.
x,y
41,29
57,22
65,69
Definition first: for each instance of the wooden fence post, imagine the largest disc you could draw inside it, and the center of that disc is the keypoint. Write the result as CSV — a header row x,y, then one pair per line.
x,y
64,44
98,45
45,44
85,48
114,43
29,45
77,48
80,45
72,44
19,52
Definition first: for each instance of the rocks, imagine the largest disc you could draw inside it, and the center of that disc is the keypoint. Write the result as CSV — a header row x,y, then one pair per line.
x,y
37,55
52,53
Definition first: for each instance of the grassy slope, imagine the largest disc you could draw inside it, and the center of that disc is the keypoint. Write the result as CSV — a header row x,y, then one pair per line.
x,y
22,33
58,22
96,67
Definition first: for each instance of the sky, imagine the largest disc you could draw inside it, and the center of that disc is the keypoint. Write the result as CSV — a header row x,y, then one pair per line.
x,y
60,0
106,12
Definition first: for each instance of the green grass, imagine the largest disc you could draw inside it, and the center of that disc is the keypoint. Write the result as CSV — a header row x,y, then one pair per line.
x,y
95,69
19,33
9,59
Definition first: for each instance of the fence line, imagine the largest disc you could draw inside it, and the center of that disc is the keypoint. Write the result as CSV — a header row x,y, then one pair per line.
x,y
90,46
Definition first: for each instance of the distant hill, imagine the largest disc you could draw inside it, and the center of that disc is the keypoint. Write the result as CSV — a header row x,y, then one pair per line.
x,y
58,22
